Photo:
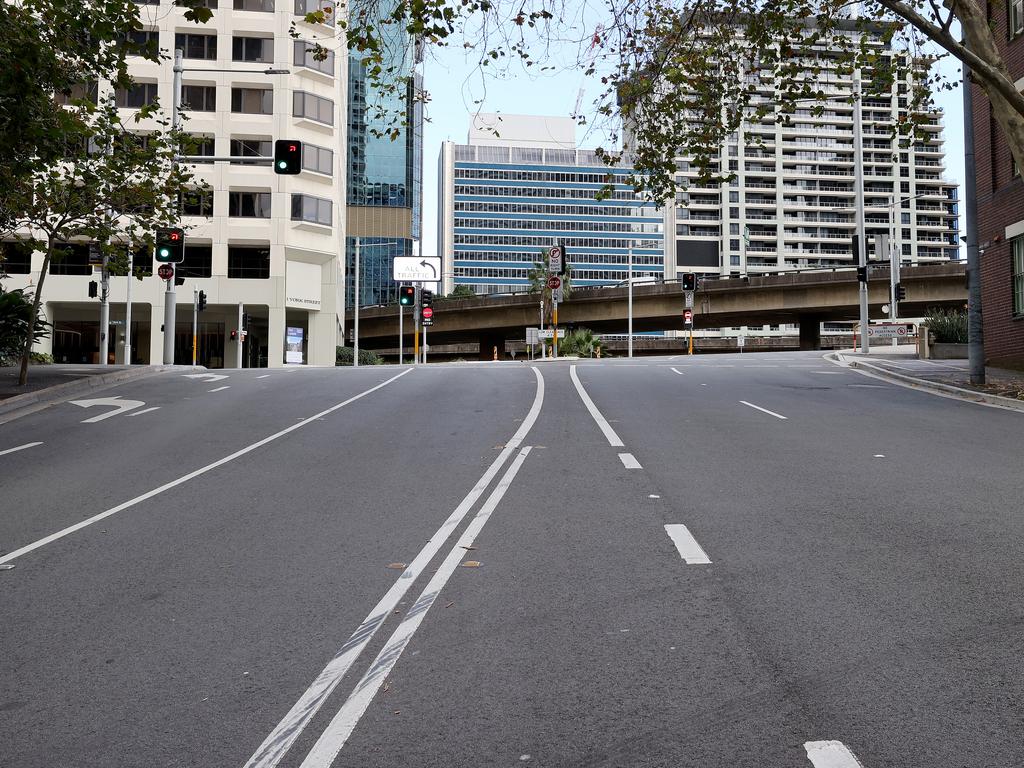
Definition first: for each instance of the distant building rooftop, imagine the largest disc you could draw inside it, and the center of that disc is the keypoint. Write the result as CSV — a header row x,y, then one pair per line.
x,y
489,129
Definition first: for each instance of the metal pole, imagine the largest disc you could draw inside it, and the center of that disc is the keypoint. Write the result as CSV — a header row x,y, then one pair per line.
x,y
170,299
416,328
554,325
238,338
195,323
975,330
401,313
128,308
424,345
858,159
543,346
629,312
104,310
885,247
355,310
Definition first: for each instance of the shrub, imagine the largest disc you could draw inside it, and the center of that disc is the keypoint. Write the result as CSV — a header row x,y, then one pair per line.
x,y
580,342
947,326
41,358
343,356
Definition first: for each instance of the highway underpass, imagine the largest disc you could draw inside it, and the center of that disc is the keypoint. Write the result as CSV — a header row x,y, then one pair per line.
x,y
807,298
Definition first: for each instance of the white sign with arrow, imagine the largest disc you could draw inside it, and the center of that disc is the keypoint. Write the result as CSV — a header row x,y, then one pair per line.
x,y
416,269
119,405
207,376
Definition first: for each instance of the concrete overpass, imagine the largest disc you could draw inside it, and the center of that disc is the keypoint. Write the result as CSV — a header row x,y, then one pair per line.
x,y
806,298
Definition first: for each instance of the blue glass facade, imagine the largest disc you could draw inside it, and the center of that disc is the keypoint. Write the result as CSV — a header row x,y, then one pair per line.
x,y
375,283
507,213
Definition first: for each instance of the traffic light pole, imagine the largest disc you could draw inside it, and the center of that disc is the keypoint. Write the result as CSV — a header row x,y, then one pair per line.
x,y
238,338
416,328
170,296
104,310
128,308
862,240
401,320
195,323
355,311
629,343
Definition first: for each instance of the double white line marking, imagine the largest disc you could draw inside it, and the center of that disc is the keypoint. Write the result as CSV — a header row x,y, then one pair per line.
x,y
281,739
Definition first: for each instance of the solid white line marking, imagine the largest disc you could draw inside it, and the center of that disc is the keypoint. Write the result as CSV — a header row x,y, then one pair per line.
x,y
764,410
185,478
20,448
829,373
219,389
831,754
609,433
678,371
145,410
689,549
629,461
868,386
344,722
280,740
264,376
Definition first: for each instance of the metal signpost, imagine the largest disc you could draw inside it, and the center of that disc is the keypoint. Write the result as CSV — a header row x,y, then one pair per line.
x,y
688,319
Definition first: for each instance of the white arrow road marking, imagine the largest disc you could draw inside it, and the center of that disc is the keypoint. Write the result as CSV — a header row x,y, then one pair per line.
x,y
764,410
678,371
689,549
145,410
265,375
20,448
831,754
121,406
207,376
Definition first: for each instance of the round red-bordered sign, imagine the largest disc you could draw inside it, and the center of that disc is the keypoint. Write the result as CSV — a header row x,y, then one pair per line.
x,y
165,271
554,282
428,312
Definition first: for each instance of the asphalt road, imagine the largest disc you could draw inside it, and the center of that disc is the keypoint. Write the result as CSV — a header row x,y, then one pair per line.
x,y
724,561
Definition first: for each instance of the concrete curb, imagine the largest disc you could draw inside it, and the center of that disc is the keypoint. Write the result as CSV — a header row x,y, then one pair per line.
x,y
948,390
12,407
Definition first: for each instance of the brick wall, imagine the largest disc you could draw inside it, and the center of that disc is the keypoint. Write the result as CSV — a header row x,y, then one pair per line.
x,y
1000,203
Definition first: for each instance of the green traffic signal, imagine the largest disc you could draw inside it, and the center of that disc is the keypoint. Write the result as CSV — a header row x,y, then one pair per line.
x,y
407,295
170,245
287,156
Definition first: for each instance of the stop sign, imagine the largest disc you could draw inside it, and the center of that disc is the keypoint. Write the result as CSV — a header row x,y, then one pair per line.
x,y
165,271
554,282
428,312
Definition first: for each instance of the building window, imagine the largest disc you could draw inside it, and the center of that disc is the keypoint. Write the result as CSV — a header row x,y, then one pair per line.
x,y
211,4
317,159
194,146
198,261
1016,17
195,46
1017,249
263,6
249,204
312,209
87,91
313,107
249,262
197,202
250,148
138,95
303,7
71,259
252,101
304,53
253,49
143,40
734,245
15,258
199,98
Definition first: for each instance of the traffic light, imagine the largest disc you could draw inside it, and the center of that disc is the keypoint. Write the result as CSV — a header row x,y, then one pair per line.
x,y
407,295
287,156
426,298
862,274
93,289
201,303
246,321
170,245
565,259
901,292
689,281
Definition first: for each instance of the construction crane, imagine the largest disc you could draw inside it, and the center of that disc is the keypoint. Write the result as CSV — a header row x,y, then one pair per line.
x,y
588,61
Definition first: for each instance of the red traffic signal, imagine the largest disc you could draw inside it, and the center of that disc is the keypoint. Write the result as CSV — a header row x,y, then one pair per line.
x,y
287,156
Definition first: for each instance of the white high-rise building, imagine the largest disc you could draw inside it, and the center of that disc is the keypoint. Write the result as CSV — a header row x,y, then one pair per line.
x,y
792,203
261,244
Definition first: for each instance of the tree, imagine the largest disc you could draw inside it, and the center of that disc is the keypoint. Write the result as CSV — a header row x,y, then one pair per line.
x,y
462,292
111,196
582,343
677,76
15,309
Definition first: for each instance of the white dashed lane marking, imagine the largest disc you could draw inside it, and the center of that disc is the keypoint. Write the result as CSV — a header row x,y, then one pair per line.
x,y
831,754
19,448
689,549
629,461
764,410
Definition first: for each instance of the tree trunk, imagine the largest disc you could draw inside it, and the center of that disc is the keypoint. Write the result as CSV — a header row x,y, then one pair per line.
x,y
36,301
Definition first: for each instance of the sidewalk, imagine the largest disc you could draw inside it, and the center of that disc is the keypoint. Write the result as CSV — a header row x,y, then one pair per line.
x,y
46,376
1005,387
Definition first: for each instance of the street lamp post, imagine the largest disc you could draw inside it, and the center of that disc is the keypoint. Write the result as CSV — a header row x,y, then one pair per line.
x,y
355,302
629,302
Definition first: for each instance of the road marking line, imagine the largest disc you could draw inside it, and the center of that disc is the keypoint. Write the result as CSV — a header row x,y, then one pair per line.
x,y
689,549
220,389
868,386
629,461
765,410
609,433
829,373
281,739
265,375
831,754
185,478
760,366
333,738
679,372
145,410
19,448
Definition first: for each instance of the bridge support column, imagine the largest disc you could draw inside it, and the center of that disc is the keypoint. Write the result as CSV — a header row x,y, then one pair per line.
x,y
488,341
810,331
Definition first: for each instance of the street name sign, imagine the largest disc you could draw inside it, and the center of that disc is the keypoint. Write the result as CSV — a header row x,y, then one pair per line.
x,y
549,333
887,331
416,269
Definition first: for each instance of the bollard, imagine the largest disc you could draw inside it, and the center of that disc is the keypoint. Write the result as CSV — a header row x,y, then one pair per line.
x,y
495,352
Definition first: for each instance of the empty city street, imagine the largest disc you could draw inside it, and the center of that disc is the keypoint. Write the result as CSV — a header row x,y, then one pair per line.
x,y
745,560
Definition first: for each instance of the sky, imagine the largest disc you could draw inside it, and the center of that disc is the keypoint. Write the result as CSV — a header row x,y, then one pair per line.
x,y
454,86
